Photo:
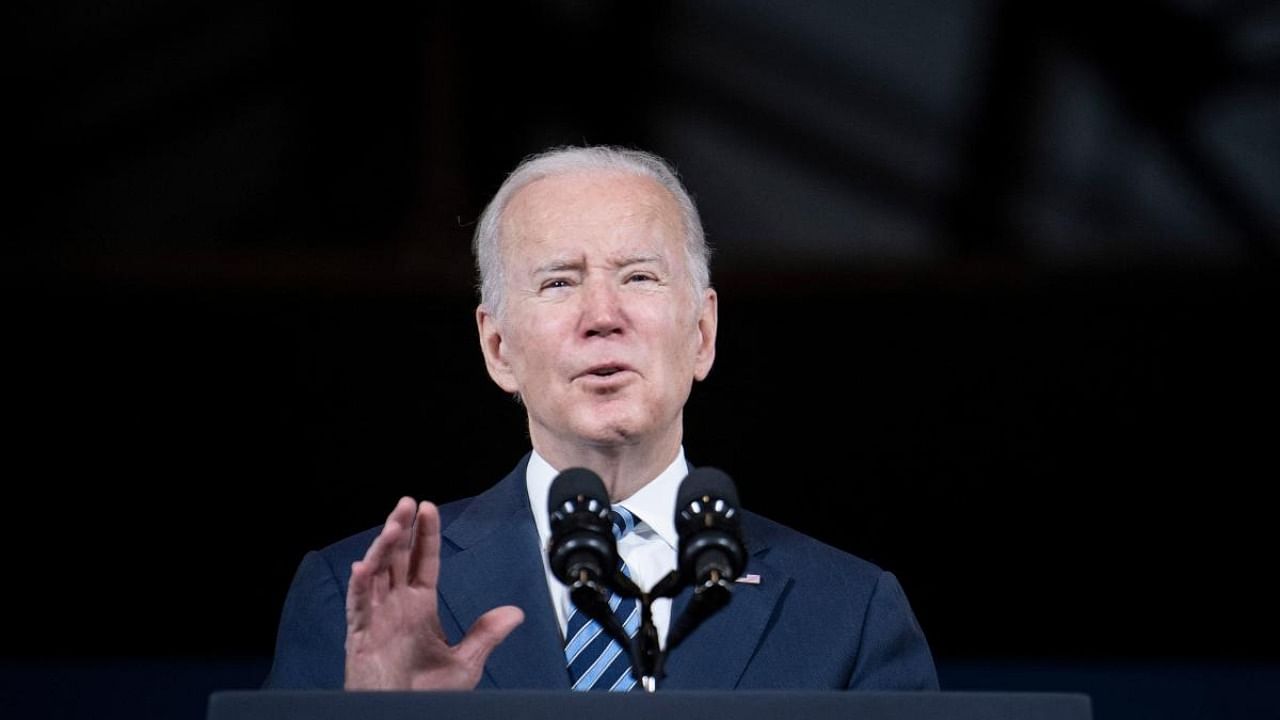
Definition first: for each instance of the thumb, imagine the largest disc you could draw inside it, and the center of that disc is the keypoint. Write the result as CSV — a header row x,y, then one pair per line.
x,y
488,631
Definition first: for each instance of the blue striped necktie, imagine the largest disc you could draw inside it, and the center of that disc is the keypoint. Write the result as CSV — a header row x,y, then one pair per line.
x,y
596,661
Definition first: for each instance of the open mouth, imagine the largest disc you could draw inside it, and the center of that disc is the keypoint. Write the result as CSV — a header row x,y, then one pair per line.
x,y
605,370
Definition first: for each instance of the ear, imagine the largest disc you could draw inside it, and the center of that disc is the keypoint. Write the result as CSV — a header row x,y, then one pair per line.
x,y
707,319
493,347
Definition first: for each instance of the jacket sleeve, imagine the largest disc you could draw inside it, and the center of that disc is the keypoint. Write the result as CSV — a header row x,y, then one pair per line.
x,y
892,654
310,644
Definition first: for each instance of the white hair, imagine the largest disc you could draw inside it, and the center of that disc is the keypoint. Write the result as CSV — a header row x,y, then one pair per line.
x,y
487,243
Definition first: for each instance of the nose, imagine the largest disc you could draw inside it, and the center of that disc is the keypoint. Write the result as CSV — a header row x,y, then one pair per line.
x,y
602,312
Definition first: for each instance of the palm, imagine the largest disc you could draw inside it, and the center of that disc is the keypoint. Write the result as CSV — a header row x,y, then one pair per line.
x,y
394,638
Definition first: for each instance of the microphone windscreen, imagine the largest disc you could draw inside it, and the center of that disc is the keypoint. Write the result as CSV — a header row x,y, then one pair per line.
x,y
573,482
709,482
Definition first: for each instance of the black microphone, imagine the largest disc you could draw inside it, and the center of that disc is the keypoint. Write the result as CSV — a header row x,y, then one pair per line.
x,y
582,548
711,553
707,523
583,554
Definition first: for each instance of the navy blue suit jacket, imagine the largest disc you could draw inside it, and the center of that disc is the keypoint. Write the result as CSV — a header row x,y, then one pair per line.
x,y
819,619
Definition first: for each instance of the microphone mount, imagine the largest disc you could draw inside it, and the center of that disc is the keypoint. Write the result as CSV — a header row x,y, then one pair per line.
x,y
583,555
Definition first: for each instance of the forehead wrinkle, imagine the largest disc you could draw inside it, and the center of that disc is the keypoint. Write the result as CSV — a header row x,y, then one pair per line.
x,y
529,221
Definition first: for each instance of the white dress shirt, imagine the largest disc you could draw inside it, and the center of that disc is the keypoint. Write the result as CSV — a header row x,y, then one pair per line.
x,y
649,550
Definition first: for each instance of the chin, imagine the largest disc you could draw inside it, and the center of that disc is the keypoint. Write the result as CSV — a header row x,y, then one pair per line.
x,y
620,429
608,436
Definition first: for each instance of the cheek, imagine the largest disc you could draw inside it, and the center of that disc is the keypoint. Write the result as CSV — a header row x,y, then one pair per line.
x,y
686,336
533,349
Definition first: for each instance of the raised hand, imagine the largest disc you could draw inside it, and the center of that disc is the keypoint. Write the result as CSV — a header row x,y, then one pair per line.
x,y
394,639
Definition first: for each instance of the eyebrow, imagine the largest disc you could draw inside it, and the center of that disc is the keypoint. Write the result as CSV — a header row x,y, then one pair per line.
x,y
640,260
558,265
576,264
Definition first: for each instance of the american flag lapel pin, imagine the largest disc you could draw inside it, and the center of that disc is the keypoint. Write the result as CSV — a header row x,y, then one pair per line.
x,y
749,579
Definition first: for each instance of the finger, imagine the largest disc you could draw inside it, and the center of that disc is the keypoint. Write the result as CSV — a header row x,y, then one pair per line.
x,y
377,561
381,582
398,551
359,598
378,556
424,566
487,632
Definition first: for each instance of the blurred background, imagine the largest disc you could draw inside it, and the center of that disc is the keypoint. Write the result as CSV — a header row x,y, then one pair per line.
x,y
997,281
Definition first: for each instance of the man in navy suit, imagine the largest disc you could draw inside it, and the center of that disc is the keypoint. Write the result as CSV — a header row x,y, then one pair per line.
x,y
598,314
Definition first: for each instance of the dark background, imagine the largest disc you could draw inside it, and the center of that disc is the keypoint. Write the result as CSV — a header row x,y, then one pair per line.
x,y
997,308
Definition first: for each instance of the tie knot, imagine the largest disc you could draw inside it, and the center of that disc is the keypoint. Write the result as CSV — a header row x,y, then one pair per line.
x,y
623,521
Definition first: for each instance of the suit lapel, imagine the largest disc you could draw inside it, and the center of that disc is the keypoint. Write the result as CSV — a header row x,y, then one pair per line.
x,y
715,655
499,562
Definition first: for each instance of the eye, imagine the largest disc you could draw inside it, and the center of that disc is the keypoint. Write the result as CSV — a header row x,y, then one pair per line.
x,y
554,283
642,277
